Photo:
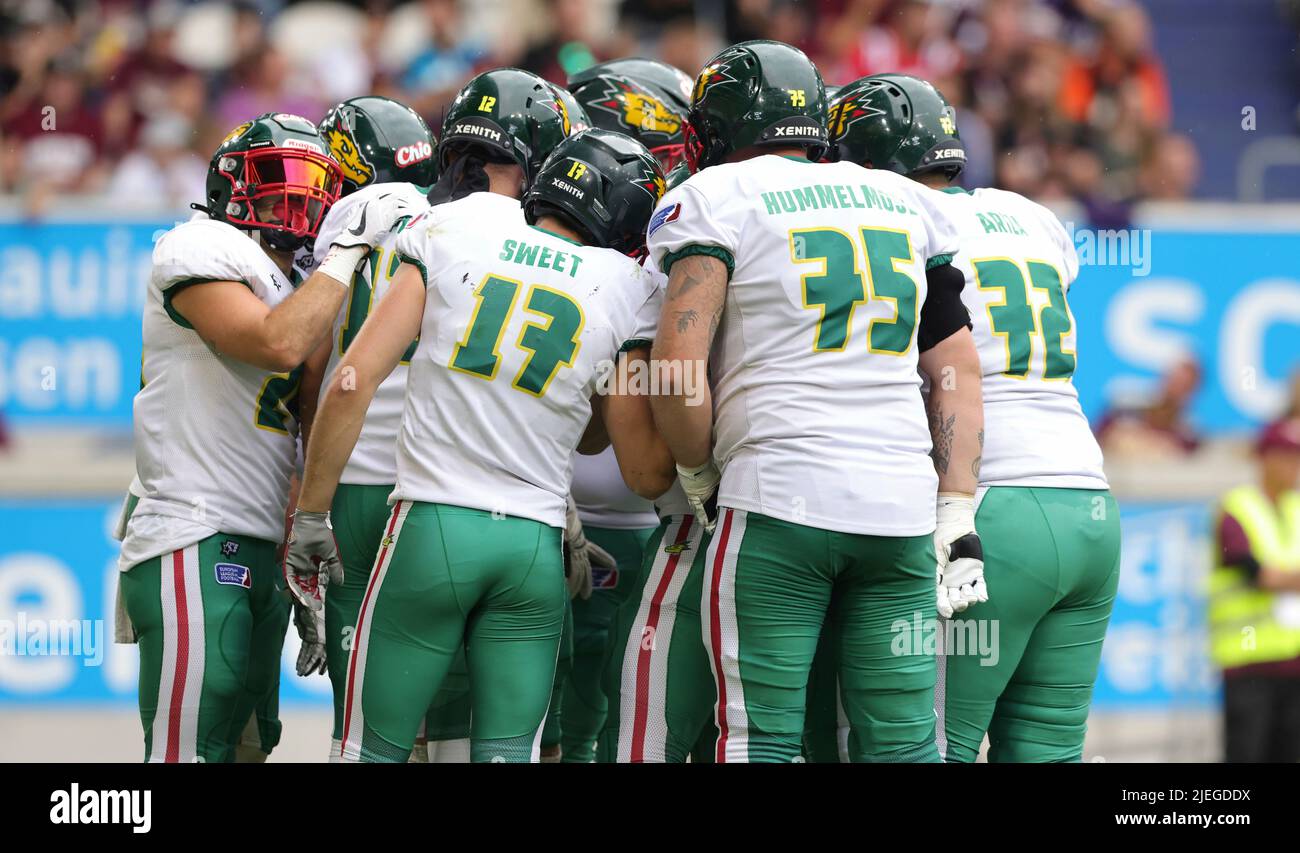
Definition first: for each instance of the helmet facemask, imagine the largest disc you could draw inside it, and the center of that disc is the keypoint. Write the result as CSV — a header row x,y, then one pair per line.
x,y
669,155
282,192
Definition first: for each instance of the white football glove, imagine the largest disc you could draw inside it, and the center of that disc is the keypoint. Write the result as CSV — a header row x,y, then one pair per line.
x,y
311,629
311,560
701,487
580,555
372,220
960,557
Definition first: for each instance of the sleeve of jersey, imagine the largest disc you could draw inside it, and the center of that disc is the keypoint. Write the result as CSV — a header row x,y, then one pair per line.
x,y
189,255
411,246
683,225
645,319
941,229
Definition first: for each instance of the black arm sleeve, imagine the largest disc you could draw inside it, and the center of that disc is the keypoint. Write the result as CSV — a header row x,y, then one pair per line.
x,y
943,312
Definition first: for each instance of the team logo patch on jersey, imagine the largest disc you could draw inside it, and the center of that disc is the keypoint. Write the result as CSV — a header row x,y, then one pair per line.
x,y
638,109
231,574
229,548
662,217
344,149
602,578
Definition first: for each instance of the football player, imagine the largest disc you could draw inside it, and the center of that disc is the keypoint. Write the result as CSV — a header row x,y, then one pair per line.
x,y
514,323
383,148
526,126
827,287
657,681
216,436
610,525
1048,523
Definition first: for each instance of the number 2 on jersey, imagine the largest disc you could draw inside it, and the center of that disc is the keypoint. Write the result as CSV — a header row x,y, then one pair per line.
x,y
549,345
839,287
278,402
1014,321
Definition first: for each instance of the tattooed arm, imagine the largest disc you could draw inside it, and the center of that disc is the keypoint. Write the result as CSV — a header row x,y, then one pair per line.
x,y
683,408
956,411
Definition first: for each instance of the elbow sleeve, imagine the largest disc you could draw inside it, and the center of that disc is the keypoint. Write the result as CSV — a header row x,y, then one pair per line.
x,y
943,312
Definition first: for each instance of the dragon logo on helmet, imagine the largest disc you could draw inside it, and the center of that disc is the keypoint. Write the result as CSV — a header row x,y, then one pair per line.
x,y
344,150
558,105
712,75
237,132
846,112
639,109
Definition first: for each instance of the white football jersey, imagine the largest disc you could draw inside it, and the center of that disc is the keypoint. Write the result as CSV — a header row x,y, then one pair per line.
x,y
1019,263
603,498
374,459
519,326
216,439
818,417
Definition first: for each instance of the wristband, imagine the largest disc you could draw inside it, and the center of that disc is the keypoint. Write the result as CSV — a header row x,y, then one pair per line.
x,y
341,262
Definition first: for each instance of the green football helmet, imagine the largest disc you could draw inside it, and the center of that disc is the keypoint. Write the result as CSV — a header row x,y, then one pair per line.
x,y
578,118
512,115
605,183
378,140
622,105
273,175
670,84
896,122
756,93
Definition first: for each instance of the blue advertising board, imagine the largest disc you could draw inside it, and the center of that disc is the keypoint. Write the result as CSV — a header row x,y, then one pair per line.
x,y
58,567
1230,299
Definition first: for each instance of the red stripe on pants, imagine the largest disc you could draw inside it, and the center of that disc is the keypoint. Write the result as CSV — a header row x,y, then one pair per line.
x,y
361,617
715,633
639,720
173,755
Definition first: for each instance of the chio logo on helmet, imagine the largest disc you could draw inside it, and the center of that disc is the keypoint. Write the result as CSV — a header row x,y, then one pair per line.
x,y
414,153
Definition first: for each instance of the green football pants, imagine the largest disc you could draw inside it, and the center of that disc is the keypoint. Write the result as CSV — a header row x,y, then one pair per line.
x,y
449,575
1022,665
657,676
210,621
768,586
584,702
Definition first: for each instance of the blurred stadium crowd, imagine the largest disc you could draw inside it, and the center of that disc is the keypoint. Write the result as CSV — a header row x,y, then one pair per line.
x,y
127,98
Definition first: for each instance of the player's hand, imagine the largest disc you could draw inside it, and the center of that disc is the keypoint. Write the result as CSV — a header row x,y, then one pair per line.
x,y
577,555
312,558
960,556
311,629
701,487
372,220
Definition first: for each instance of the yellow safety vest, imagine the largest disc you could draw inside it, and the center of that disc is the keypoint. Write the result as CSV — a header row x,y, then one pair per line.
x,y
1244,625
